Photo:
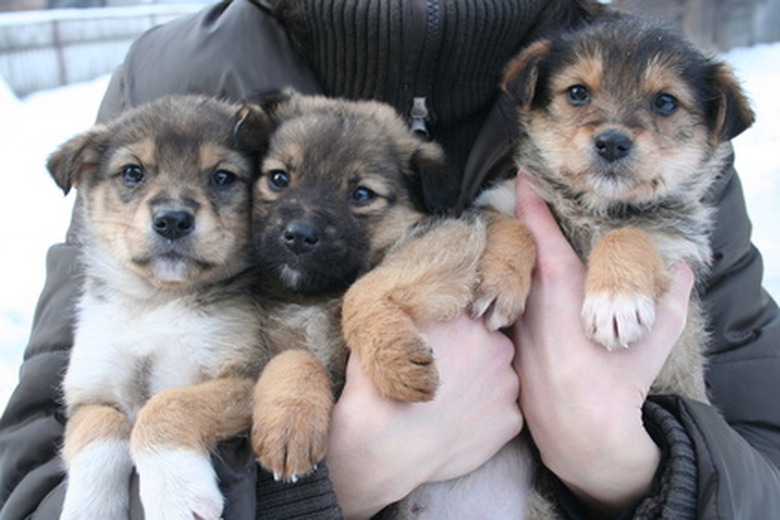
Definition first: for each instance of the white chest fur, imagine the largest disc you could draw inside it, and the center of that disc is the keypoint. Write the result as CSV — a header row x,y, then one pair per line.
x,y
125,350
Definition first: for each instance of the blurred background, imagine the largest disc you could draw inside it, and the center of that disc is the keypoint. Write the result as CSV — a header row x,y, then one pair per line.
x,y
55,61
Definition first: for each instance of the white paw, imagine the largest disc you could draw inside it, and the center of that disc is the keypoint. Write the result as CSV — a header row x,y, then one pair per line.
x,y
98,482
615,320
178,484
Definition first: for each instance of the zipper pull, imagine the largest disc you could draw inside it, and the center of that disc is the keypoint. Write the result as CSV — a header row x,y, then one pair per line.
x,y
419,115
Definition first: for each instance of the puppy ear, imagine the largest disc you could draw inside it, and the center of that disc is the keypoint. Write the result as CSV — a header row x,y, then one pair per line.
x,y
76,158
732,114
253,129
432,189
522,73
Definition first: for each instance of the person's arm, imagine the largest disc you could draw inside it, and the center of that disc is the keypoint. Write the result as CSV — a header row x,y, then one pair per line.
x,y
380,450
583,403
707,464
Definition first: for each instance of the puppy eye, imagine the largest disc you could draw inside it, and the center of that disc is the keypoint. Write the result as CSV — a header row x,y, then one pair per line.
x,y
665,104
361,196
578,95
132,175
223,178
278,179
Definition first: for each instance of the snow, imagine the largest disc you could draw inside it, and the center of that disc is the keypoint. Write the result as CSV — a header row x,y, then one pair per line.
x,y
34,214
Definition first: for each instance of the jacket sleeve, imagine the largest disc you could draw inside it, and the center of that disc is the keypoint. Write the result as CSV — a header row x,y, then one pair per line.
x,y
31,472
737,441
720,461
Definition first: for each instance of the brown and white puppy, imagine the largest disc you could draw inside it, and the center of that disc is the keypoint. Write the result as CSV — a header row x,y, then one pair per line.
x,y
339,199
623,127
166,323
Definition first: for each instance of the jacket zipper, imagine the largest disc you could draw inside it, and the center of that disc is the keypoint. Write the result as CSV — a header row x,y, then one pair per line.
x,y
427,20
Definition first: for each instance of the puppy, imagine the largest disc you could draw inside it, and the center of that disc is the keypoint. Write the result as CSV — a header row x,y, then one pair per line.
x,y
166,341
339,207
623,128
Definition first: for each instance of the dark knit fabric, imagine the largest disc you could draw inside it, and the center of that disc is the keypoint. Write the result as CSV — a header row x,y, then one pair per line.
x,y
353,48
452,53
310,498
677,482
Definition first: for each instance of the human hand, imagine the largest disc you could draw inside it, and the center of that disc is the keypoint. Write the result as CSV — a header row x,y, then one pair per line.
x,y
380,450
581,402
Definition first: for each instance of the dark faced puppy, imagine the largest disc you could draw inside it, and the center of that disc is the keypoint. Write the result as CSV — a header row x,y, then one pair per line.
x,y
340,183
165,351
338,208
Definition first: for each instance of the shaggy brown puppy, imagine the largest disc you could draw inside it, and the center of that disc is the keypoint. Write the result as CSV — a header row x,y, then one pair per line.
x,y
623,127
165,315
339,199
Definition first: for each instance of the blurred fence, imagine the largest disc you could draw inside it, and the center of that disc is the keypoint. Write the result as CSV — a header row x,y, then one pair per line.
x,y
716,24
45,49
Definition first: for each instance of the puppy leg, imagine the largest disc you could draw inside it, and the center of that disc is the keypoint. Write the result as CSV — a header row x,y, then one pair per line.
x,y
625,276
429,278
171,441
504,270
292,403
99,466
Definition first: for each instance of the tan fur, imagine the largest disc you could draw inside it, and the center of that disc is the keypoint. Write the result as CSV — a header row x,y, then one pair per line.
x,y
292,405
417,268
194,417
626,262
93,423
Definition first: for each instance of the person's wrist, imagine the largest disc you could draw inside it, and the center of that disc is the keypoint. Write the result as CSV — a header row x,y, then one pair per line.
x,y
615,468
360,457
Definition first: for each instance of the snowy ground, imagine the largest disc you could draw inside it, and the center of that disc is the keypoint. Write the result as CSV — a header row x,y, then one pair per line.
x,y
34,213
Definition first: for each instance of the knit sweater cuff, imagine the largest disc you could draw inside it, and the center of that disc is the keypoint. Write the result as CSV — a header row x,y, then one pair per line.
x,y
311,497
674,492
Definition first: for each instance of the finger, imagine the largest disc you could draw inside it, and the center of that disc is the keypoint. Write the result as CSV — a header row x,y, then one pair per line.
x,y
675,300
534,212
671,311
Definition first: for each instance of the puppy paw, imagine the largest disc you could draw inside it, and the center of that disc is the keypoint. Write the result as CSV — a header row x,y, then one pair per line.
x,y
289,444
505,270
178,484
404,369
617,320
97,482
500,300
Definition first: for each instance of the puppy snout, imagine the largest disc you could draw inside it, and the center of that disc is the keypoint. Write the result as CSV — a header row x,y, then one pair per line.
x,y
173,224
301,236
613,145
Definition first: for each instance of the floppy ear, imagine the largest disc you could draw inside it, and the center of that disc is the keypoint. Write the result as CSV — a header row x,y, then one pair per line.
x,y
522,73
76,158
732,114
253,129
258,118
433,191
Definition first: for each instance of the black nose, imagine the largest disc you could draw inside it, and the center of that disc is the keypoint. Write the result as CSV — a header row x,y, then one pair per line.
x,y
173,224
301,236
613,145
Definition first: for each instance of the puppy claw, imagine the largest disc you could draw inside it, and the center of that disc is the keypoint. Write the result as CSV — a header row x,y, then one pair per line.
x,y
290,449
615,321
500,308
